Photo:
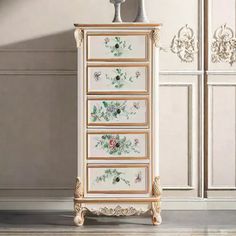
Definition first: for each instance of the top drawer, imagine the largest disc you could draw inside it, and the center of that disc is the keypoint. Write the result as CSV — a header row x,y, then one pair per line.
x,y
117,47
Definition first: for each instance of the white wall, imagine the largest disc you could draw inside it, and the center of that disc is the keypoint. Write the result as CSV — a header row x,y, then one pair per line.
x,y
38,102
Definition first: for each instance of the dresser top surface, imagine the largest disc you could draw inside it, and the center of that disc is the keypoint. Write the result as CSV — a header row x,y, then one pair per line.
x,y
119,25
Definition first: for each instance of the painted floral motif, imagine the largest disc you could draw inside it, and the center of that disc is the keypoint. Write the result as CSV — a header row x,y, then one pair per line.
x,y
114,175
116,145
111,110
117,46
119,79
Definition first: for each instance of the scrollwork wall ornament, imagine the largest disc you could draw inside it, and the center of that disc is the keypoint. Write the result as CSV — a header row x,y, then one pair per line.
x,y
185,44
118,211
223,47
156,37
79,36
156,206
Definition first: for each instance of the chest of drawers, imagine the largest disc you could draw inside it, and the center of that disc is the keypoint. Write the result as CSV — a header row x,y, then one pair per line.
x,y
118,166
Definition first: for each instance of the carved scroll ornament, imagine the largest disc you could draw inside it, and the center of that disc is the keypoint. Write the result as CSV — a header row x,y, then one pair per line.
x,y
78,189
223,47
184,44
156,206
117,211
79,36
156,37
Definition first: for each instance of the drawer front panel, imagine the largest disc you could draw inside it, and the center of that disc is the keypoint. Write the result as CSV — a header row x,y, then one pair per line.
x,y
117,179
117,47
132,112
117,145
117,79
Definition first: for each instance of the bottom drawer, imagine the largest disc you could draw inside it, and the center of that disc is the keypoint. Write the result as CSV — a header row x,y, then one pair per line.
x,y
118,178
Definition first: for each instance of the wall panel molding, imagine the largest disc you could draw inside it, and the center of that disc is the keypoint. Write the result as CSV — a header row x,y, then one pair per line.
x,y
38,72
190,154
193,175
211,136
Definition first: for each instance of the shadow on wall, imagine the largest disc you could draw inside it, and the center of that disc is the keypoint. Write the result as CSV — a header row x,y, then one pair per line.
x,y
38,106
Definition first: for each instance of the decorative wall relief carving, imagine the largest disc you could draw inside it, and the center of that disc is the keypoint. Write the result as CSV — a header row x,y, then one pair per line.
x,y
223,47
185,44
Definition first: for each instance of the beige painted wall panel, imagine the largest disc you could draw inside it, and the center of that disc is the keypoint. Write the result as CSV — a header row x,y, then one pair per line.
x,y
38,131
222,166
174,136
40,60
174,15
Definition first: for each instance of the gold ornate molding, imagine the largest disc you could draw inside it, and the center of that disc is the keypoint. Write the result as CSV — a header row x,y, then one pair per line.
x,y
79,36
79,193
156,206
223,47
118,211
156,36
79,209
80,212
185,44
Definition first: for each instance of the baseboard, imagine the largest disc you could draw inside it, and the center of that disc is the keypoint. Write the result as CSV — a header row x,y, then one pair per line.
x,y
66,204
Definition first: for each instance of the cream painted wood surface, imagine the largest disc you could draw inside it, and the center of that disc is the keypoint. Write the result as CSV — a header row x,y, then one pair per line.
x,y
124,179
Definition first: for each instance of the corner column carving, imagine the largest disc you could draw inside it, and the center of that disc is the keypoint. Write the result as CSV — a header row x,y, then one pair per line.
x,y
156,206
78,207
156,37
79,36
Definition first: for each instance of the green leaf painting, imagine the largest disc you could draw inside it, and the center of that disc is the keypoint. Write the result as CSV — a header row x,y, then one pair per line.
x,y
113,110
117,47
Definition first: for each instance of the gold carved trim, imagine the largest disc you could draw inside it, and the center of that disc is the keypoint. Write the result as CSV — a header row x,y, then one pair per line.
x,y
80,212
79,36
156,206
118,211
156,37
79,209
78,189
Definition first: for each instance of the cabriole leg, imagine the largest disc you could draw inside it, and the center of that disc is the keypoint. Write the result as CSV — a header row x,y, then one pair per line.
x,y
156,213
79,214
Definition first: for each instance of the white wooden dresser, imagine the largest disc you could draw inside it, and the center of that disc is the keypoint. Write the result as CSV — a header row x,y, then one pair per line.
x,y
118,112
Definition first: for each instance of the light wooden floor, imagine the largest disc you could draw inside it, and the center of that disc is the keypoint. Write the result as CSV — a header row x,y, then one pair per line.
x,y
181,223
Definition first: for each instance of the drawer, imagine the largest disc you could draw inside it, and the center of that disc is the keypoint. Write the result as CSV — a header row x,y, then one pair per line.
x,y
117,79
117,145
117,178
118,111
117,47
